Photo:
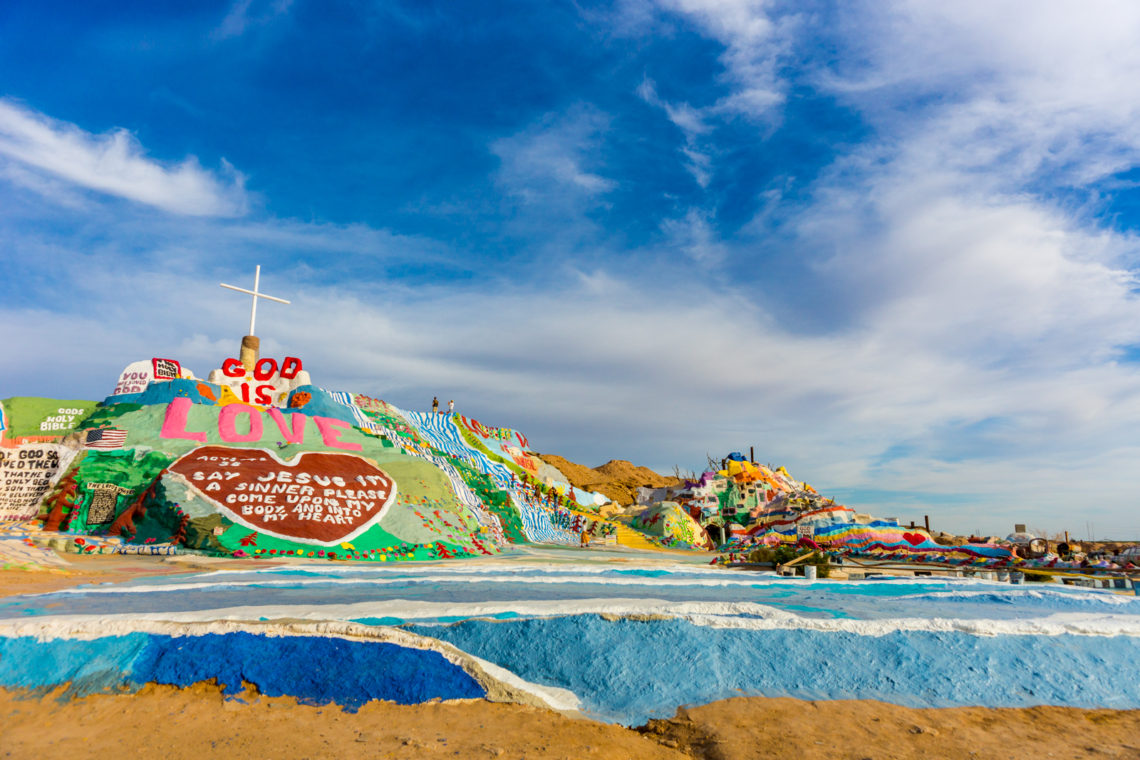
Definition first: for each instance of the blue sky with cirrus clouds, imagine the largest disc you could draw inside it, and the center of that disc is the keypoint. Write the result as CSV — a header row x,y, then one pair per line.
x,y
891,245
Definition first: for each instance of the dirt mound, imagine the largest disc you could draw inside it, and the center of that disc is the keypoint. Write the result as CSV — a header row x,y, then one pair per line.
x,y
619,469
617,478
580,476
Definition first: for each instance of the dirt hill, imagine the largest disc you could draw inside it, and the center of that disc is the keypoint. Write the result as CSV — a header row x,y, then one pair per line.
x,y
617,478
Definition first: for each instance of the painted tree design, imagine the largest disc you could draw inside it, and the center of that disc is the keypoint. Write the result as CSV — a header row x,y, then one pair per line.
x,y
137,509
62,503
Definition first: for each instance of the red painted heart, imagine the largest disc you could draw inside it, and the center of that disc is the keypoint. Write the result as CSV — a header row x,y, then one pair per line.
x,y
316,498
914,539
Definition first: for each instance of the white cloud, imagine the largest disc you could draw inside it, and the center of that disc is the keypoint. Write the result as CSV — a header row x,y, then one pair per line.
x,y
754,42
693,125
550,159
115,163
1031,87
242,16
694,235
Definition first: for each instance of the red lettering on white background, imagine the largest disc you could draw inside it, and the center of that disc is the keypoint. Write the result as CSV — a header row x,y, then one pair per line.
x,y
264,369
290,366
233,368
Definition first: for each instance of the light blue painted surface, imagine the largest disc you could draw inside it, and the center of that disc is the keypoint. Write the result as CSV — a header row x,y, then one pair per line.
x,y
539,621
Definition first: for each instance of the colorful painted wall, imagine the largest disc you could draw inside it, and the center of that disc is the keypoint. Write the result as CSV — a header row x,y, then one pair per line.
x,y
171,460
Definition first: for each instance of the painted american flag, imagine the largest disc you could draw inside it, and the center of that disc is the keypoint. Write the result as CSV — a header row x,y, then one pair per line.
x,y
106,438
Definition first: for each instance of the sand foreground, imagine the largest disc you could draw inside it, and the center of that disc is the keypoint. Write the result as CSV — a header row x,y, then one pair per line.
x,y
181,724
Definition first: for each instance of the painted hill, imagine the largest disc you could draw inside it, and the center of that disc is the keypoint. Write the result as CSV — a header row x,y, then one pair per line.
x,y
261,462
257,460
617,478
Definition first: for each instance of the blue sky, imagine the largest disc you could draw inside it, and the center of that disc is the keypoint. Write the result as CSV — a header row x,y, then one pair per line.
x,y
891,245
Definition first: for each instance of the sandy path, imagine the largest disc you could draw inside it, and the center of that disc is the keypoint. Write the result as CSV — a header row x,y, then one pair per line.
x,y
108,568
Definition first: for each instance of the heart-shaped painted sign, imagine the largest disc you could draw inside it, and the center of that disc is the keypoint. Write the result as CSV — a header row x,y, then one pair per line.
x,y
315,498
914,539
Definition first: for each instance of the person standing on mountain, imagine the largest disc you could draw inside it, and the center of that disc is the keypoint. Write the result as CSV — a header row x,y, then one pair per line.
x,y
451,407
435,405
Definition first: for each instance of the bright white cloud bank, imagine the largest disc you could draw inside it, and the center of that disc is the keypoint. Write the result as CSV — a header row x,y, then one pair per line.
x,y
116,164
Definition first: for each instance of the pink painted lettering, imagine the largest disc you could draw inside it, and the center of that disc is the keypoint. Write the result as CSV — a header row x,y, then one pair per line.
x,y
174,423
227,424
297,435
330,433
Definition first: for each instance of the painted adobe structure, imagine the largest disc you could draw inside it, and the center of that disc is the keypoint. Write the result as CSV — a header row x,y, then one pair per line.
x,y
256,460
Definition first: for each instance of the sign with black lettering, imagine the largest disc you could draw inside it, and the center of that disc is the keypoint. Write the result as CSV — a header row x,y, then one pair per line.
x,y
26,475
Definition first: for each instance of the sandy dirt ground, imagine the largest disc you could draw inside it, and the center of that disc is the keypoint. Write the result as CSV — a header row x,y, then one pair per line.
x,y
109,568
199,722
180,724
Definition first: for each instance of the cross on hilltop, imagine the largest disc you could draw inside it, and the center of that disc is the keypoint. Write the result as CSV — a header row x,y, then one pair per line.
x,y
250,344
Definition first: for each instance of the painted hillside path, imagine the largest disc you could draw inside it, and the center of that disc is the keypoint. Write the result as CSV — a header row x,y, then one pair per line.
x,y
615,636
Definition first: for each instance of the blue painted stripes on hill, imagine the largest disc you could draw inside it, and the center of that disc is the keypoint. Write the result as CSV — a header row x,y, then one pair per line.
x,y
362,420
462,491
441,432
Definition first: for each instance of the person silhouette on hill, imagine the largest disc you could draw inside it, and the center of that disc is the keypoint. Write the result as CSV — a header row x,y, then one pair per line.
x,y
435,405
451,406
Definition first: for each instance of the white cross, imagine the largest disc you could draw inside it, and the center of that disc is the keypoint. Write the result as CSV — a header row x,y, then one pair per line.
x,y
255,294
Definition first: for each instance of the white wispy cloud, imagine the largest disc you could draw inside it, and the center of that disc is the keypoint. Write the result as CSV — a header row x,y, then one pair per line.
x,y
116,163
553,157
243,15
692,123
754,40
1037,89
694,235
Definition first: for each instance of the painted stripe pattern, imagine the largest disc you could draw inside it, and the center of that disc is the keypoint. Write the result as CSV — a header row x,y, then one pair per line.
x,y
362,420
441,432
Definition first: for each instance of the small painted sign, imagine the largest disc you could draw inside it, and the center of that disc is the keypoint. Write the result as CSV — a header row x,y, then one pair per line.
x,y
166,369
104,502
136,376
